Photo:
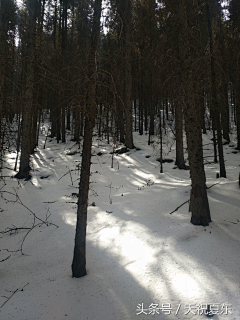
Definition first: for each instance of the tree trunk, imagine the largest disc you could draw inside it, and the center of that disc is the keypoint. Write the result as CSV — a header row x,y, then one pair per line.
x,y
127,24
2,74
199,206
63,125
225,112
202,102
24,170
215,105
238,114
68,126
198,201
179,136
79,257
100,121
58,120
140,108
135,114
120,120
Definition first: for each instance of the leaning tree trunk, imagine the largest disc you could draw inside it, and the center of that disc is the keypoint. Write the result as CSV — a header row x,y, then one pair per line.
x,y
79,257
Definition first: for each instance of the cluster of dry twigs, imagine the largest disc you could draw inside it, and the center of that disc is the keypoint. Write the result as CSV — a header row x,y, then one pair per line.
x,y
37,222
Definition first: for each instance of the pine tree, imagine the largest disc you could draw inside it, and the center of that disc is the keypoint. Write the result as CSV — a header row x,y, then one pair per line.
x,y
24,169
234,9
199,205
79,257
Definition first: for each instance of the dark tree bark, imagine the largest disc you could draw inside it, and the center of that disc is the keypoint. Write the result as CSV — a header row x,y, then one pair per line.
x,y
145,111
100,120
238,113
68,126
235,44
179,136
53,117
79,257
203,109
237,107
135,114
199,206
126,9
140,114
58,120
33,133
3,40
7,28
120,120
225,112
215,106
24,170
76,121
63,114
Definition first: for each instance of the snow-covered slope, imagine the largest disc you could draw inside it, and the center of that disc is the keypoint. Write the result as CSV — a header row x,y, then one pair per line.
x,y
142,262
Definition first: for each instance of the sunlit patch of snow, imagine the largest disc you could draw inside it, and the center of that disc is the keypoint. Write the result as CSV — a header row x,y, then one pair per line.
x,y
186,285
35,182
69,218
143,174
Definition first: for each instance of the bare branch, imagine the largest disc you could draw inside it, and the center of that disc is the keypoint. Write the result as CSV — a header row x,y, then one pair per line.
x,y
179,206
13,294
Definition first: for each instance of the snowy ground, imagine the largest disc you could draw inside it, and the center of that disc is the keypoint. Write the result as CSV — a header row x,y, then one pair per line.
x,y
138,255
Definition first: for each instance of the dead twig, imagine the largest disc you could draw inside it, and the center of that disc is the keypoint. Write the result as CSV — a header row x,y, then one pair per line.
x,y
69,171
5,258
212,185
29,230
34,224
14,230
231,222
13,294
18,200
179,206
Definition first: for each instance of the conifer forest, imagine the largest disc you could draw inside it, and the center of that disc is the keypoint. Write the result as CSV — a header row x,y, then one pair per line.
x,y
119,159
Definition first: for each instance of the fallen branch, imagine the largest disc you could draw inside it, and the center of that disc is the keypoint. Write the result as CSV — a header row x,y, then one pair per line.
x,y
212,185
18,200
49,201
231,222
179,206
13,294
14,230
69,171
34,224
5,259
25,236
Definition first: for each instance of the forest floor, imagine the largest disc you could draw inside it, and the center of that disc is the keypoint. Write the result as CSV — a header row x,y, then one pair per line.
x,y
142,261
